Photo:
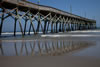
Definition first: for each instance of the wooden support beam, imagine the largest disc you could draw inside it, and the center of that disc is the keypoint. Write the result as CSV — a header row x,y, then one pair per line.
x,y
56,27
21,27
48,26
79,25
69,24
31,24
72,24
50,21
29,29
60,27
38,27
75,24
56,20
25,25
39,24
69,27
51,27
66,26
19,20
7,16
15,26
45,25
63,27
63,23
2,20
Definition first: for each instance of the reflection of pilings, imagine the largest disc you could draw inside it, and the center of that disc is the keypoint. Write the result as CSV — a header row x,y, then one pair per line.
x,y
21,50
32,48
60,46
1,48
57,50
26,49
16,49
46,48
23,46
39,46
57,46
49,48
52,47
63,47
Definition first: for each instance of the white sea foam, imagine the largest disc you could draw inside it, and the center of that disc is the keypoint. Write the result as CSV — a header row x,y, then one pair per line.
x,y
62,35
71,35
85,31
18,33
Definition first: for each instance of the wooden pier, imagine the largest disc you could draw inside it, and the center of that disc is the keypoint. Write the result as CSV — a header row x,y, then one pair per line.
x,y
46,17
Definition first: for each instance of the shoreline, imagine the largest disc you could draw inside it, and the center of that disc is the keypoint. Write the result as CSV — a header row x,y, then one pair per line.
x,y
62,35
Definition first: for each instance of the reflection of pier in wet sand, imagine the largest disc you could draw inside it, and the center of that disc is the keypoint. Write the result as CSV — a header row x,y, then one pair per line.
x,y
40,47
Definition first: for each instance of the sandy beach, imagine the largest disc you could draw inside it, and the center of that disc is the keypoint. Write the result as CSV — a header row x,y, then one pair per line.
x,y
50,61
78,56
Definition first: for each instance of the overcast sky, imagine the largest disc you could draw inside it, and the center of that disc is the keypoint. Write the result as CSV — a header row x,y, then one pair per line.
x,y
88,8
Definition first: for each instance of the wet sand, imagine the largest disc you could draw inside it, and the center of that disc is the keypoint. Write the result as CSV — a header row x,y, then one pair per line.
x,y
50,61
86,57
